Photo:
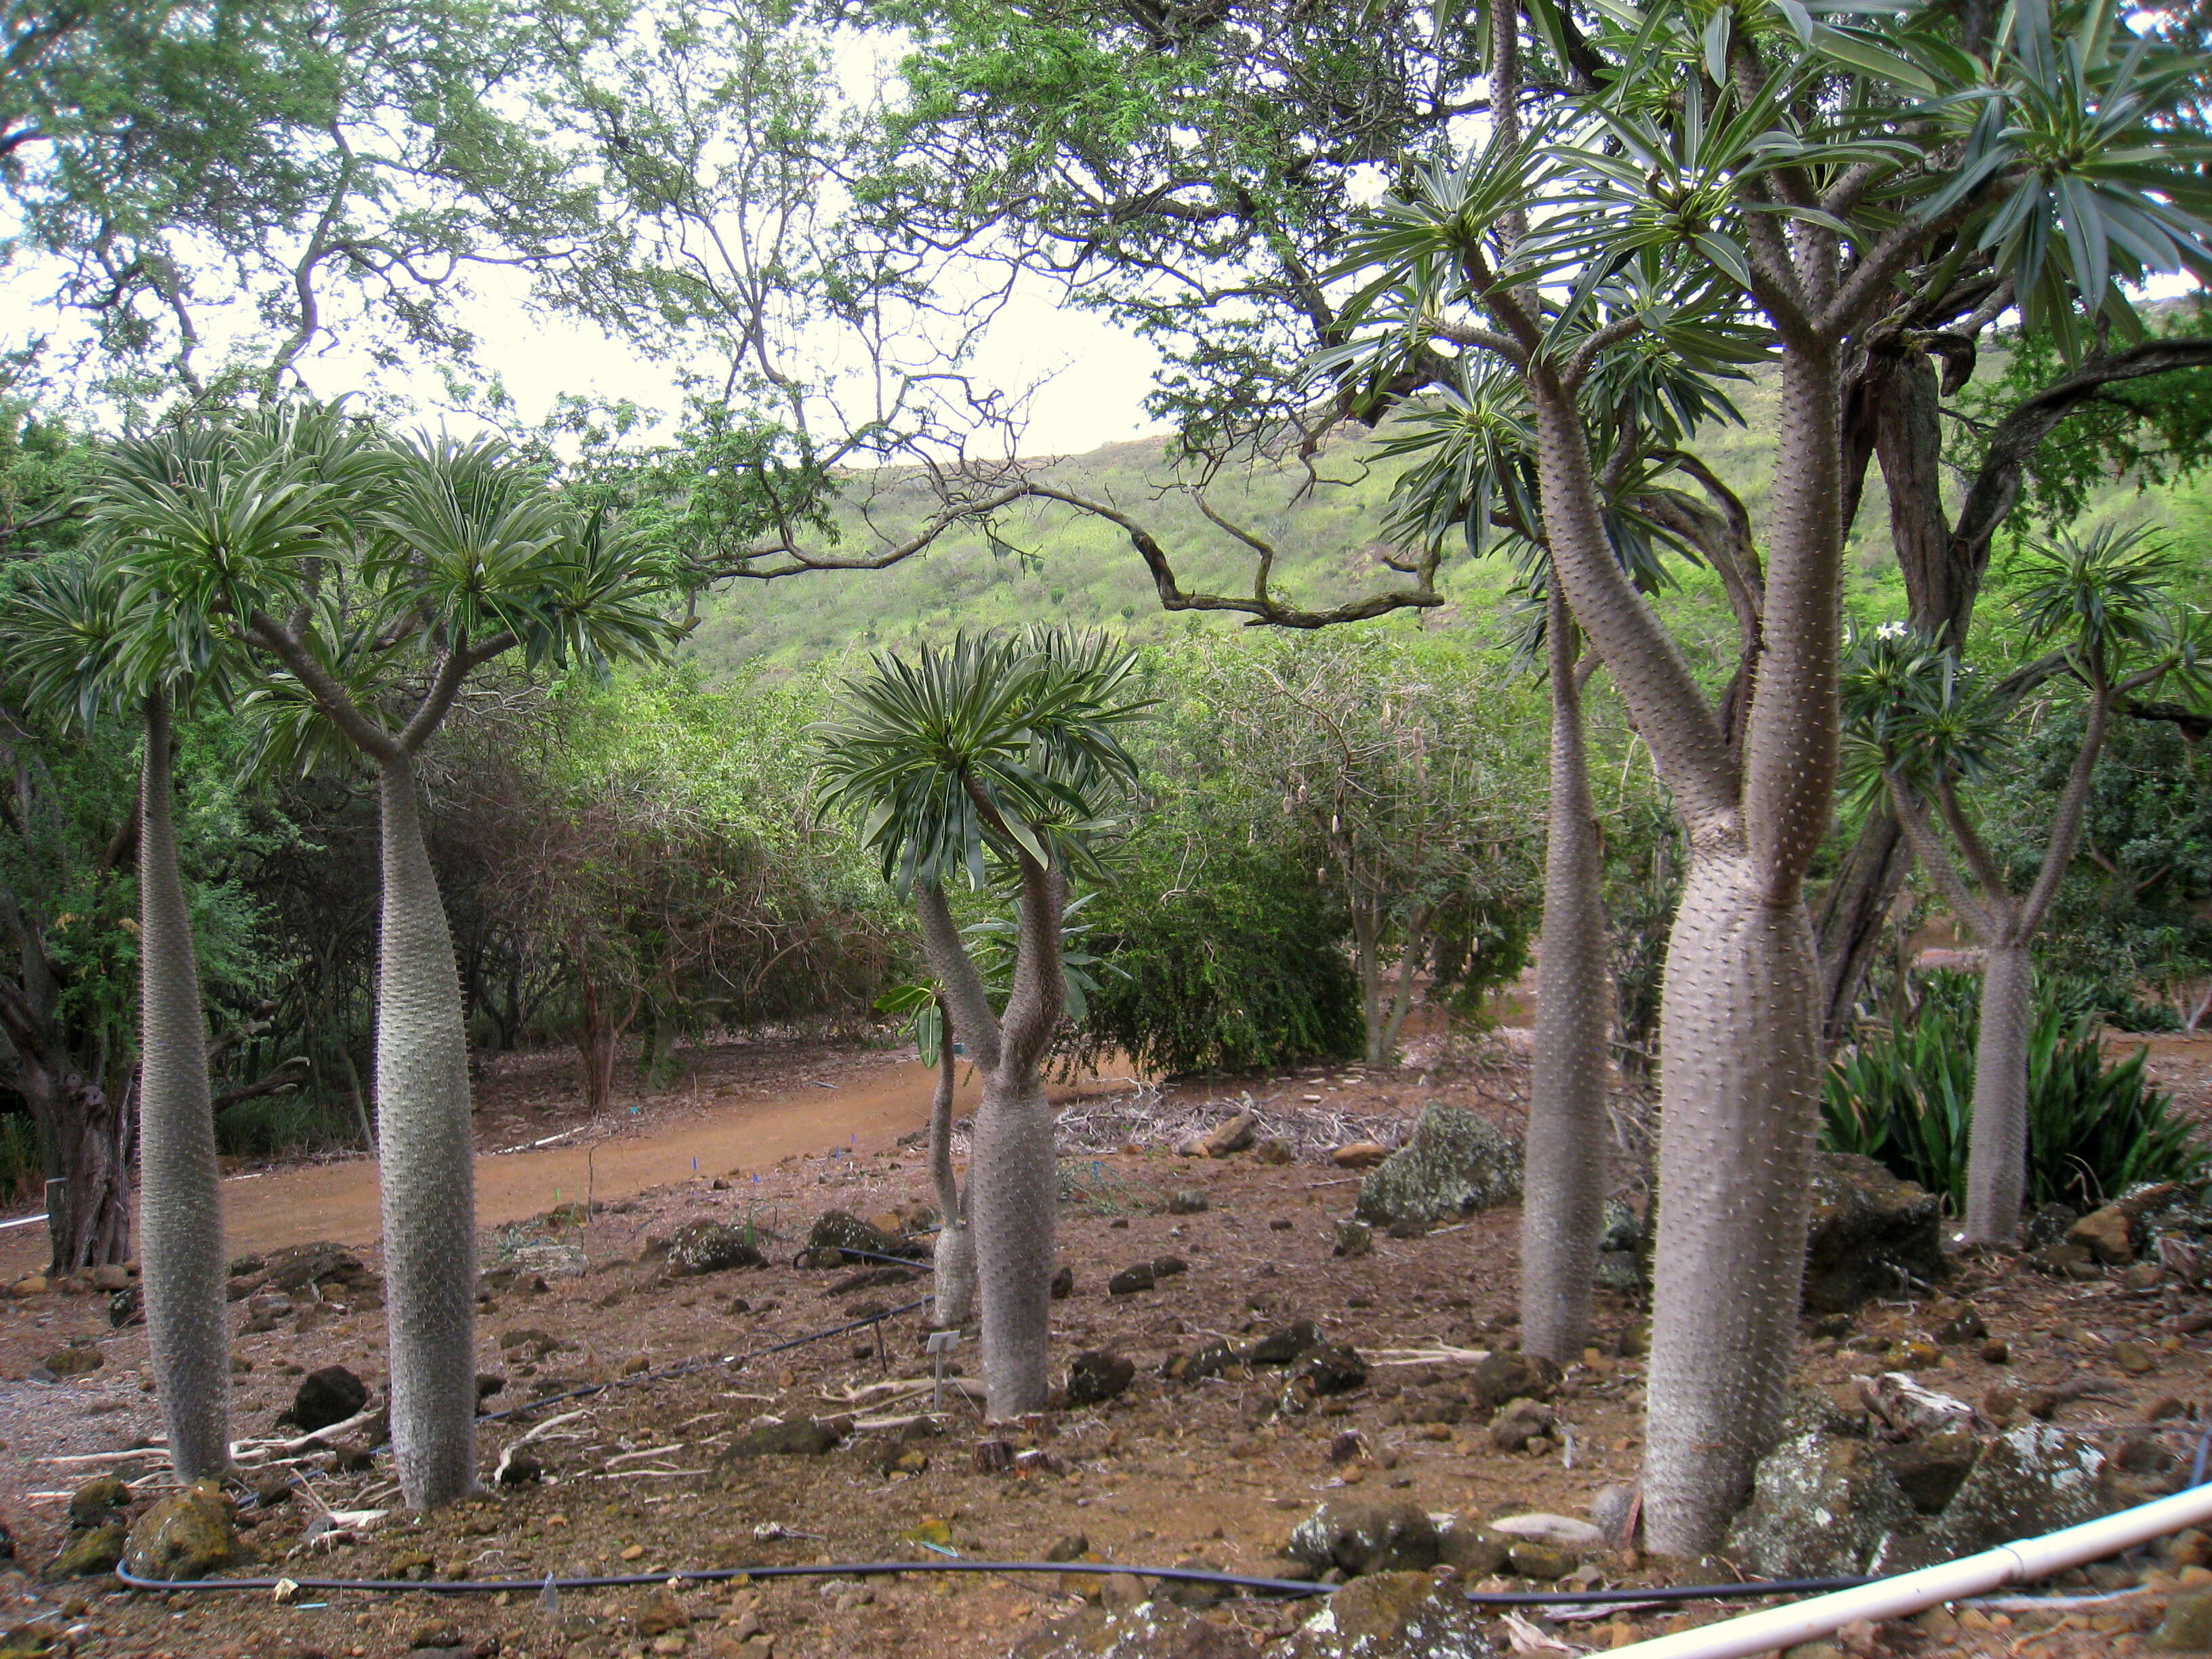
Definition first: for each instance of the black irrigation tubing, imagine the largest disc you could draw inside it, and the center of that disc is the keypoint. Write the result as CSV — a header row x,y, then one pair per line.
x,y
799,1260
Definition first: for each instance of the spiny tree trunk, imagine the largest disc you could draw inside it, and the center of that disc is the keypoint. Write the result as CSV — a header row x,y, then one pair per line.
x,y
426,1170
1740,1062
1013,1174
1564,1199
954,1302
1997,1158
1013,1178
181,1197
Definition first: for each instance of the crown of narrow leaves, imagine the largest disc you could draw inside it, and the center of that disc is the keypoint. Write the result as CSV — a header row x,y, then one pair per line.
x,y
994,745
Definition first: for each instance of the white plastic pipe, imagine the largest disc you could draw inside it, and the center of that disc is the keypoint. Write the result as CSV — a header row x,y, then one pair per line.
x,y
2030,1558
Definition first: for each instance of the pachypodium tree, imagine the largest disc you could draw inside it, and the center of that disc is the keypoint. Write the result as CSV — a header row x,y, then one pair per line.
x,y
1005,752
1473,474
427,561
180,499
1743,162
2103,605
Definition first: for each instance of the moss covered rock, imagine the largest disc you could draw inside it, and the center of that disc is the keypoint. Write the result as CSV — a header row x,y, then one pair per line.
x,y
186,1535
1455,1163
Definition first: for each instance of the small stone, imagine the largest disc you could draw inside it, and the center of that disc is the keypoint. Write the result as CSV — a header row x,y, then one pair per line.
x,y
2187,1627
89,1553
1189,1201
1519,1422
1511,1375
1274,1151
435,1633
94,1503
1167,1266
1359,1154
75,1361
836,1230
993,1456
2143,1276
110,1276
1131,1279
1073,1547
1354,1238
1063,1284
1544,1562
661,1613
1233,1136
2133,1358
1963,1326
1098,1375
31,1285
1455,1163
186,1535
1996,1352
325,1397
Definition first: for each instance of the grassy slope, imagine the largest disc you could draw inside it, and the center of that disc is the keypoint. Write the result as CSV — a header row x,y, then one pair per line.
x,y
1064,566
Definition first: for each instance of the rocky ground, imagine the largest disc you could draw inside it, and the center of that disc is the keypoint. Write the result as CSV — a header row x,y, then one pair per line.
x,y
1239,1425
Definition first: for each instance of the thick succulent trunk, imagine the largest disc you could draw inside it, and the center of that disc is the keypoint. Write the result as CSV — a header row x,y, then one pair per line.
x,y
1739,1078
954,1300
1564,1198
1997,1154
426,1176
181,1191
1012,1197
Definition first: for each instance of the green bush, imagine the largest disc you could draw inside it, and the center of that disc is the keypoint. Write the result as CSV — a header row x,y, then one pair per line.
x,y
1905,1097
1237,965
281,1126
22,1169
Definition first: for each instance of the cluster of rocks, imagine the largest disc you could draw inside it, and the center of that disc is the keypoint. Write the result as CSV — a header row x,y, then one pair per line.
x,y
1919,1480
186,1535
2156,1234
303,1286
1313,1367
839,1237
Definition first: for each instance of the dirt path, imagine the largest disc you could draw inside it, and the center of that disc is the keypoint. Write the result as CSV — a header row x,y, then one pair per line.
x,y
270,1209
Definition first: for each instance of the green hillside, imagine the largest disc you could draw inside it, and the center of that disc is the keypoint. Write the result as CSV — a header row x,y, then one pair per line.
x,y
1061,565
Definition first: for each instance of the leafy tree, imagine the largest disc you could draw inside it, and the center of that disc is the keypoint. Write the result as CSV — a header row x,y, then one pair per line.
x,y
1801,172
1006,752
222,192
1406,774
2102,603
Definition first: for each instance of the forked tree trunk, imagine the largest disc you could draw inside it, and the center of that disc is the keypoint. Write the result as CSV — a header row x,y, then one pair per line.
x,y
954,1299
425,1170
1996,1156
1563,1201
1012,1174
181,1190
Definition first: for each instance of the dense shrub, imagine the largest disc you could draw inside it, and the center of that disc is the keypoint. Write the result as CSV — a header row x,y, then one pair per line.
x,y
1235,963
1905,1097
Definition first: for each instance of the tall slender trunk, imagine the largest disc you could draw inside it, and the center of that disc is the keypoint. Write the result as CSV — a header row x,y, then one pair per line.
x,y
1563,1198
1401,1003
1366,940
1996,1155
954,1303
181,1190
1013,1199
426,1176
